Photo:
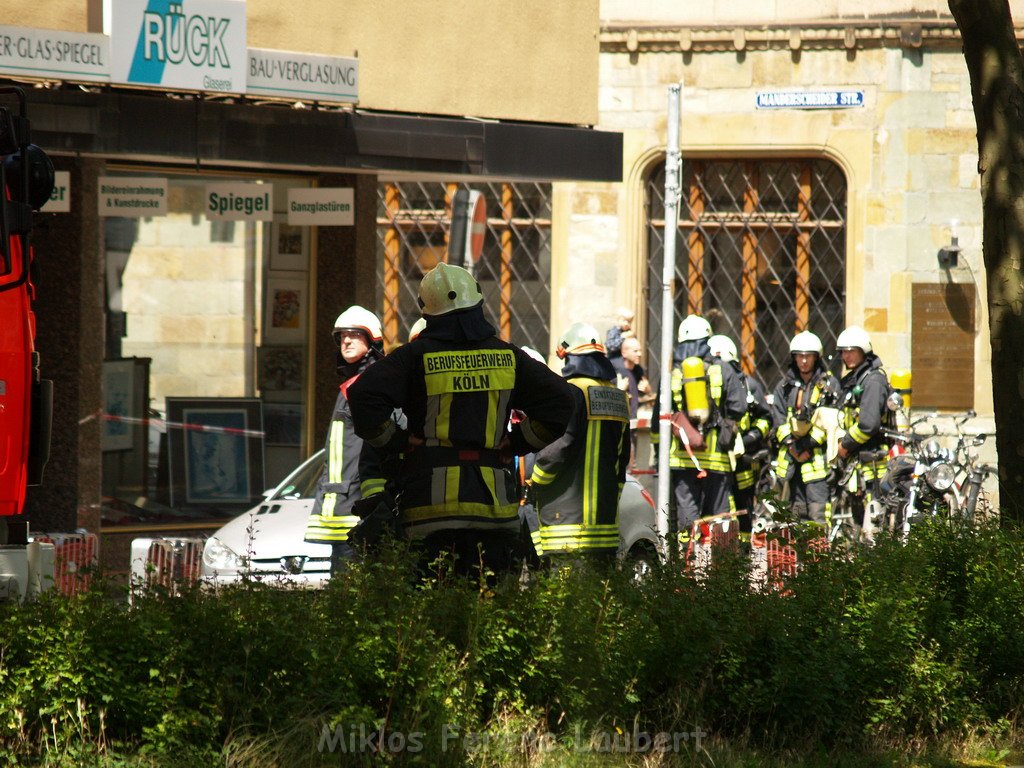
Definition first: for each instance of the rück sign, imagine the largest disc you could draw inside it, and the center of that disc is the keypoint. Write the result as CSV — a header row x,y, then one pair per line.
x,y
195,44
239,202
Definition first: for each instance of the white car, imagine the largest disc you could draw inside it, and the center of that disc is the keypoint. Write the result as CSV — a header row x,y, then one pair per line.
x,y
267,541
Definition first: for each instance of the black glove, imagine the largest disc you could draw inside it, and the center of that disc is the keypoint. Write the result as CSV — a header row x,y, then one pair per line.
x,y
726,435
378,515
751,441
805,444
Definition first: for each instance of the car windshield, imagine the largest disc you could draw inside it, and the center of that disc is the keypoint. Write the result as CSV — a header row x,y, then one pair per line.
x,y
301,484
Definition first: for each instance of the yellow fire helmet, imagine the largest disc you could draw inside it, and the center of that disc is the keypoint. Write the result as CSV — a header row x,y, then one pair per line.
x,y
579,339
447,288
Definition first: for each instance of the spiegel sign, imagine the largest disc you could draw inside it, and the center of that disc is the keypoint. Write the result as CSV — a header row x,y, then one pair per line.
x,y
195,45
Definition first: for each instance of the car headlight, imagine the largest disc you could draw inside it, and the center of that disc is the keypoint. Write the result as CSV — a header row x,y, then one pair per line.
x,y
940,477
220,557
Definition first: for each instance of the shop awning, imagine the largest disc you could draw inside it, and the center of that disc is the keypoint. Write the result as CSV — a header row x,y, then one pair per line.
x,y
151,127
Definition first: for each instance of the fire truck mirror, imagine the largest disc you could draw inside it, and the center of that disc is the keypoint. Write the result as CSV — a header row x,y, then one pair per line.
x,y
41,177
8,136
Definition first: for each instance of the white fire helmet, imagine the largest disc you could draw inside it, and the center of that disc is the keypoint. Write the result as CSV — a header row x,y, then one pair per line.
x,y
535,355
805,341
694,327
360,319
723,347
854,336
417,328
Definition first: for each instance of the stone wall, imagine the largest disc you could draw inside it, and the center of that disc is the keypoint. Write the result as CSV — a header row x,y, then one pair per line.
x,y
909,155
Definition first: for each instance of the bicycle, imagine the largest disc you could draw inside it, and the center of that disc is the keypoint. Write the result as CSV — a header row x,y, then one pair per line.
x,y
848,501
972,475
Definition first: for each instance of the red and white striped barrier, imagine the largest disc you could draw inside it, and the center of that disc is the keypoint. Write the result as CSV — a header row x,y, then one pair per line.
x,y
168,563
76,558
171,424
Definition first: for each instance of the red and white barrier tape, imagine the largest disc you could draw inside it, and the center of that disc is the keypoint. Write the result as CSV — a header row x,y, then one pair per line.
x,y
171,424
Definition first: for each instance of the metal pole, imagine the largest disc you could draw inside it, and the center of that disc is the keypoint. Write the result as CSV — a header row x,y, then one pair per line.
x,y
668,273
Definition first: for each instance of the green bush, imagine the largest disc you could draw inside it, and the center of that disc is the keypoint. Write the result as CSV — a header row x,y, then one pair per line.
x,y
906,644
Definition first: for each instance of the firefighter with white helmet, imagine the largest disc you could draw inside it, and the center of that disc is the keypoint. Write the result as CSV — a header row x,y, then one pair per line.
x,y
457,384
417,328
753,431
708,399
357,334
801,462
865,389
577,480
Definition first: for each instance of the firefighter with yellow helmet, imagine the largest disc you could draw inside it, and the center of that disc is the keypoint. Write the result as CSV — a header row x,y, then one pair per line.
x,y
753,431
357,334
801,462
577,480
708,400
457,384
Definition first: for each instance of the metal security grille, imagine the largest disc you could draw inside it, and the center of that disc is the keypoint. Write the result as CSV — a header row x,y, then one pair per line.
x,y
514,270
761,254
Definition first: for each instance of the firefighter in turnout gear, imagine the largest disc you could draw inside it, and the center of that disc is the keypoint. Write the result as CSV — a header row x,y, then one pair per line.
x,y
357,333
457,384
577,480
753,432
801,461
865,388
708,400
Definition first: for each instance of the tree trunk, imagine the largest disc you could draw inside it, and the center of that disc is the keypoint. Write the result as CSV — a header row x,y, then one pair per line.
x,y
997,84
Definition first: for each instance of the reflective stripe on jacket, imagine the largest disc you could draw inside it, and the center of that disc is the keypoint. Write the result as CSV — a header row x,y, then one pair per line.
x,y
338,489
457,397
791,391
728,397
578,479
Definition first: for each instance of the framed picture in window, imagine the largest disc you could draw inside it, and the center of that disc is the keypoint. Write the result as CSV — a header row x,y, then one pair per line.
x,y
284,320
215,447
119,403
289,246
279,369
282,423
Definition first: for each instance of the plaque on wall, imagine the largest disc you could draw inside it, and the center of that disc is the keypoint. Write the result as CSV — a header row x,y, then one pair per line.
x,y
942,345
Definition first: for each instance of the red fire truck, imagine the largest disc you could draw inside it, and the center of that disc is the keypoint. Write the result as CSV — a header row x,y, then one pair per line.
x,y
26,181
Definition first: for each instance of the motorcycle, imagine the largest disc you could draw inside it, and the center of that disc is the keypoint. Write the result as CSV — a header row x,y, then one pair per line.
x,y
918,484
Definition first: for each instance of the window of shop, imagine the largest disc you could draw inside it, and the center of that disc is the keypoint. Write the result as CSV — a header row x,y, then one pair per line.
x,y
206,350
514,270
761,253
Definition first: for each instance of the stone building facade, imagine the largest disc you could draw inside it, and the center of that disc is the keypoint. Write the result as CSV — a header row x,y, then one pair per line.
x,y
907,153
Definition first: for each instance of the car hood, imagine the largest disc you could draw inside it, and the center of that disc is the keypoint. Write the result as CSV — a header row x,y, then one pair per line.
x,y
271,531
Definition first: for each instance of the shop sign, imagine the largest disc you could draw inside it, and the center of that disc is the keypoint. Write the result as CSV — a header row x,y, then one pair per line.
x,y
809,99
55,54
302,76
239,201
322,206
132,196
60,198
191,44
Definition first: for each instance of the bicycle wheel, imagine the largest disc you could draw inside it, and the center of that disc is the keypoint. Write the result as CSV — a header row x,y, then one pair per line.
x,y
843,531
